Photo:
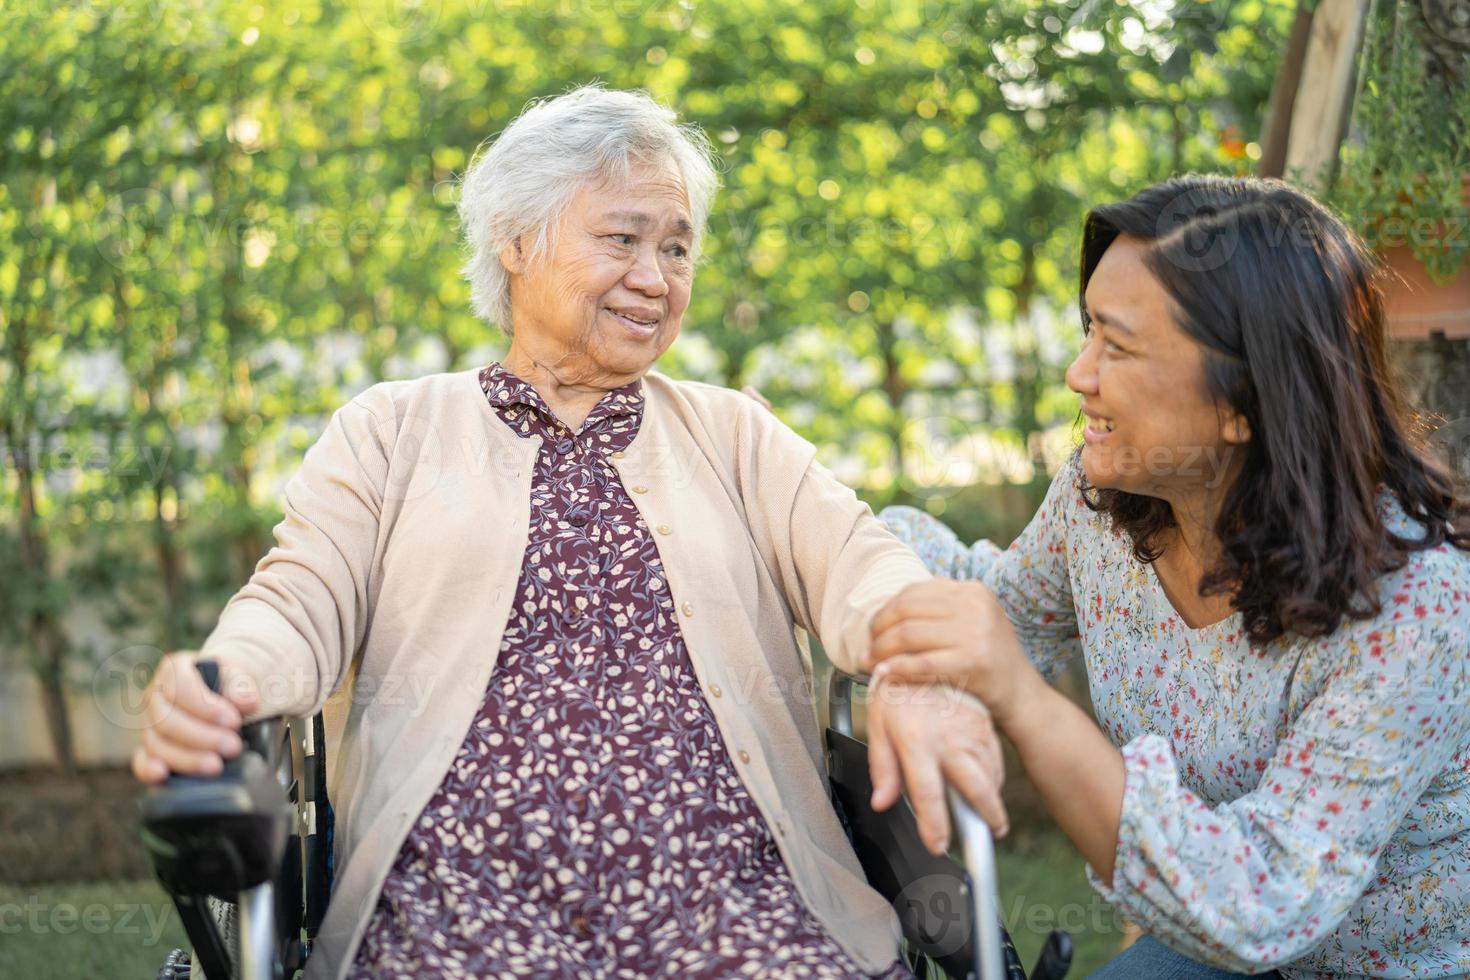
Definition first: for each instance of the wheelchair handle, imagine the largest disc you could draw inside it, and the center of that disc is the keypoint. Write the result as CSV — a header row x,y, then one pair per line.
x,y
209,673
977,846
255,925
224,836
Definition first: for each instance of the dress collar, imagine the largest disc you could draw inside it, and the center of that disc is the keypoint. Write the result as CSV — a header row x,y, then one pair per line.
x,y
505,390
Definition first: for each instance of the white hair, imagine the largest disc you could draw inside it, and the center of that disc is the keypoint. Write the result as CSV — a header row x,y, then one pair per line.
x,y
520,184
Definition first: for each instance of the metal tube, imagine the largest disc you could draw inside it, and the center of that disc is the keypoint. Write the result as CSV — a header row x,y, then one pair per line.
x,y
257,933
839,702
977,848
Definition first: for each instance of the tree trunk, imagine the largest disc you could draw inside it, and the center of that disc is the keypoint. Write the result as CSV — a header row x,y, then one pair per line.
x,y
1029,369
895,389
1277,130
170,566
42,630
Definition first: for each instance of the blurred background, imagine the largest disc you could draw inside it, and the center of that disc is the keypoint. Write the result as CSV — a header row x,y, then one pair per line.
x,y
219,221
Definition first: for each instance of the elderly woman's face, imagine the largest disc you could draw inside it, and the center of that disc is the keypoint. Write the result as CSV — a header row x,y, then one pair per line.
x,y
611,296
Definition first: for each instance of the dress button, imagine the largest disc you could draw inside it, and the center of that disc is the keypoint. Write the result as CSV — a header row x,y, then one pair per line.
x,y
665,529
687,609
640,489
581,925
744,756
715,690
565,446
577,518
571,614
578,802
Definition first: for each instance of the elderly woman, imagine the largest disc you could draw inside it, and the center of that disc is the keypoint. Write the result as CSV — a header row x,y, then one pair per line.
x,y
575,733
1266,578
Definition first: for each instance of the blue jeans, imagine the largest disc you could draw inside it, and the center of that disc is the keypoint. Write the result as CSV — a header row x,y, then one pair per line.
x,y
1149,959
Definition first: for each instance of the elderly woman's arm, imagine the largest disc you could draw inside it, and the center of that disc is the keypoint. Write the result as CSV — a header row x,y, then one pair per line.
x,y
284,641
833,560
293,628
837,565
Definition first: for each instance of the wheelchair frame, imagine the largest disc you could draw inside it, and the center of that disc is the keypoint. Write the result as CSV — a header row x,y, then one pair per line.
x,y
252,908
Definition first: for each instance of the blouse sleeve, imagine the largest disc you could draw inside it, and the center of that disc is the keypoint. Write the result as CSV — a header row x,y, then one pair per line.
x,y
1031,578
1261,880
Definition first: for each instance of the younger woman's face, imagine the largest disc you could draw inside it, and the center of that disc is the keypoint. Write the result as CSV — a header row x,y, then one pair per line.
x,y
1152,427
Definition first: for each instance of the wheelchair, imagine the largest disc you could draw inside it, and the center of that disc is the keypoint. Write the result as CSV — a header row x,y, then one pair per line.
x,y
246,857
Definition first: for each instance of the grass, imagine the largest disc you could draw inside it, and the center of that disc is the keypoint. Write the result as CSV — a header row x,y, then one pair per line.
x,y
107,931
1043,887
120,931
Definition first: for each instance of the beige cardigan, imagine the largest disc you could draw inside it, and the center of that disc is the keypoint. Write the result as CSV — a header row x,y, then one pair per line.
x,y
397,559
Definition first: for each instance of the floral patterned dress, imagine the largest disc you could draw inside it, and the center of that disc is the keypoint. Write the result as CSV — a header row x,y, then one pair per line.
x,y
593,823
1304,804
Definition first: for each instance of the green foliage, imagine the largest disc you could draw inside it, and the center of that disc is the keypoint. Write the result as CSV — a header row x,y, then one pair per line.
x,y
1405,173
218,221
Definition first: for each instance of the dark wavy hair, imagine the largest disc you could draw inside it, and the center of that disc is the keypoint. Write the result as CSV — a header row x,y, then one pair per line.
x,y
1285,302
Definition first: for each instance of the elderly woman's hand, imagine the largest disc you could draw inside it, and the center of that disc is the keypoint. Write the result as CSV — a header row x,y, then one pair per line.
x,y
924,736
191,730
957,633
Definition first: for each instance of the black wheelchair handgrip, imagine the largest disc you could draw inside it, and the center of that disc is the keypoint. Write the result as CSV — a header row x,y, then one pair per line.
x,y
1055,959
219,834
209,670
261,737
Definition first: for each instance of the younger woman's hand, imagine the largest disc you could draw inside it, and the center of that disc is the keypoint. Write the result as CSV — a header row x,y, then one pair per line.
x,y
955,633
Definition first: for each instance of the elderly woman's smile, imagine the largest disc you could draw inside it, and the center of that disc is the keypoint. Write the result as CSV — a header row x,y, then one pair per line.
x,y
608,294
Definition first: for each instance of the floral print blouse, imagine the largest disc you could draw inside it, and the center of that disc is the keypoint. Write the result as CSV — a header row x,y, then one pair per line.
x,y
593,822
1304,804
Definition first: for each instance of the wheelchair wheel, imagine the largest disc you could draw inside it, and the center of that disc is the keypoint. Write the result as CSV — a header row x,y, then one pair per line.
x,y
176,966
179,964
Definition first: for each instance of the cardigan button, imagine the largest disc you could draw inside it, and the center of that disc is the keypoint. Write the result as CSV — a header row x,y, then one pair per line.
x,y
715,690
744,756
618,454
687,609
665,529
640,489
